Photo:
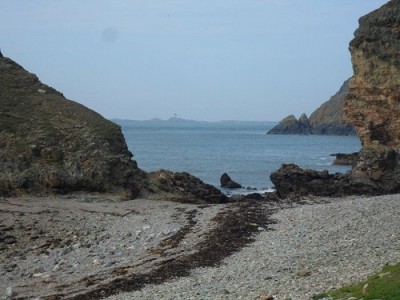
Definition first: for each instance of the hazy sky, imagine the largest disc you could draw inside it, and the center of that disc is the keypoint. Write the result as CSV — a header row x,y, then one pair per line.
x,y
203,60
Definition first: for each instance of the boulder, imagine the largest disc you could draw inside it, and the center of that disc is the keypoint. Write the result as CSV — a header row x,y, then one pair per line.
x,y
227,182
292,181
182,187
345,159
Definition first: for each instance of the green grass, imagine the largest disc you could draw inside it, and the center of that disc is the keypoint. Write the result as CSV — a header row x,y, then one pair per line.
x,y
384,286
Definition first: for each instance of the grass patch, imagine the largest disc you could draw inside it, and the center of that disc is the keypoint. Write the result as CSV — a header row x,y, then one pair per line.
x,y
21,146
384,285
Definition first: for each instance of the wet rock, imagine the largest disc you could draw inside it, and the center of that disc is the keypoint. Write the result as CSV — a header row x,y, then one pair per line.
x,y
344,159
237,198
292,181
182,187
255,196
227,182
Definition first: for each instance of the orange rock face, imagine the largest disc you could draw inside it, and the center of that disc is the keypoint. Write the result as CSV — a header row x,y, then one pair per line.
x,y
373,102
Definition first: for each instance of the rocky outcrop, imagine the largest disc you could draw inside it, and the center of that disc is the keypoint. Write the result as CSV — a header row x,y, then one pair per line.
x,y
182,187
290,125
49,144
227,182
372,106
328,119
294,182
373,102
345,159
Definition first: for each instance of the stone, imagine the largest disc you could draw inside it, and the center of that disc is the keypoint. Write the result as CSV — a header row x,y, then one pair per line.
x,y
345,159
182,187
266,297
292,181
255,196
227,182
10,292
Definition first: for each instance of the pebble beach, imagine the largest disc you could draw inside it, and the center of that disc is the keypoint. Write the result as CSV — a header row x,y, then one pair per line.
x,y
78,247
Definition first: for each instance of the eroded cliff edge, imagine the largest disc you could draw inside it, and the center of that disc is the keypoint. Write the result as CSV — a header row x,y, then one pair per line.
x,y
372,106
49,144
373,102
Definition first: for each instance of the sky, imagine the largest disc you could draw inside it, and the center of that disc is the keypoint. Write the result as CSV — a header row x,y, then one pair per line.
x,y
254,60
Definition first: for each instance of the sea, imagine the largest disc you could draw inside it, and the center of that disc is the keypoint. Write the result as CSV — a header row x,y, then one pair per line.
x,y
241,149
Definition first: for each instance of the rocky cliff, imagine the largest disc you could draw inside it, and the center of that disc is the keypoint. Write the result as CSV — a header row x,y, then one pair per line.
x,y
373,101
49,144
328,119
372,106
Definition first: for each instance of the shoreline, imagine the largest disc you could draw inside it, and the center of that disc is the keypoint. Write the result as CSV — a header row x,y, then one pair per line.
x,y
65,247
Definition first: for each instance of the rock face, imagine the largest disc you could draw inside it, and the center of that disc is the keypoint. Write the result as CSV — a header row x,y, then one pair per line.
x,y
182,187
49,143
345,159
372,106
290,125
227,182
328,119
291,180
373,102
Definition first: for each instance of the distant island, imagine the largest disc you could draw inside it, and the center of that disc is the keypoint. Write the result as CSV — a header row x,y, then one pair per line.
x,y
177,120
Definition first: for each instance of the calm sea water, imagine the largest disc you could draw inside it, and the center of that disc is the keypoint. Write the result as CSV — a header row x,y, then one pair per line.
x,y
243,150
